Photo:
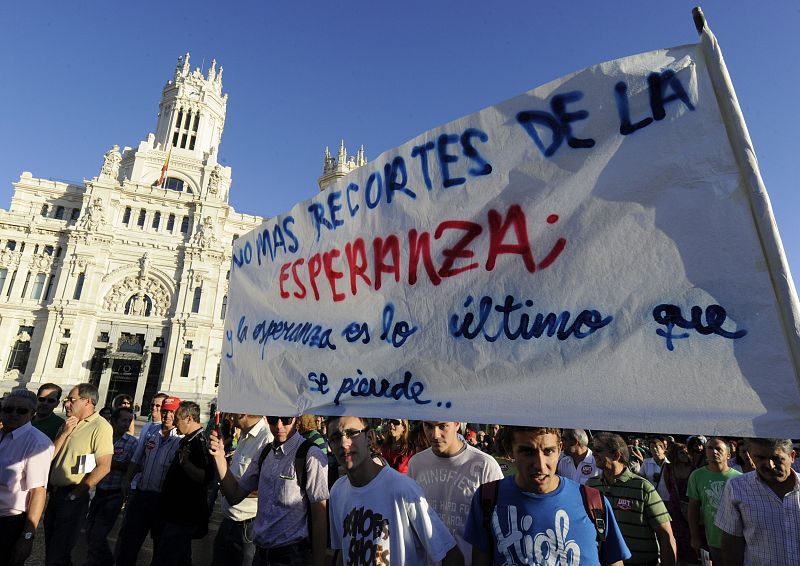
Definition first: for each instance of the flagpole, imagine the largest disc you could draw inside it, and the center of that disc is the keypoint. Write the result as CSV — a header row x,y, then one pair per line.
x,y
760,207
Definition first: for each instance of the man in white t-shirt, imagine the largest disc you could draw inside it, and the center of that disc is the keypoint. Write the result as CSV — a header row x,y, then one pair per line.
x,y
577,463
450,472
378,515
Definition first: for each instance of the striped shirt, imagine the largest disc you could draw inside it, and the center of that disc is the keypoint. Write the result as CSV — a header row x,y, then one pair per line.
x,y
124,447
154,454
639,510
769,524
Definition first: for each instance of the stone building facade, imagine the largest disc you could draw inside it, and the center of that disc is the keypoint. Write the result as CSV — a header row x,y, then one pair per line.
x,y
122,280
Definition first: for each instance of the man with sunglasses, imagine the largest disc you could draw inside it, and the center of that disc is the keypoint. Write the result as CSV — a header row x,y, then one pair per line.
x,y
25,455
83,452
378,515
45,419
281,531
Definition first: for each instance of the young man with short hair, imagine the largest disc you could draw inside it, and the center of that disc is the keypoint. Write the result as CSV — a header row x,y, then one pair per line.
x,y
639,510
539,517
183,495
281,530
759,512
450,472
704,491
378,515
46,420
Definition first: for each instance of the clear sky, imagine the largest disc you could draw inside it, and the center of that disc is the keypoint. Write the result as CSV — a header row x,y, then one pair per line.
x,y
77,77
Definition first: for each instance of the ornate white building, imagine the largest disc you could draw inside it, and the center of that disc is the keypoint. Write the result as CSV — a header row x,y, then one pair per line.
x,y
122,281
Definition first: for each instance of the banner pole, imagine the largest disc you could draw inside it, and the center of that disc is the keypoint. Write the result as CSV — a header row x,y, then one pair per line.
x,y
760,207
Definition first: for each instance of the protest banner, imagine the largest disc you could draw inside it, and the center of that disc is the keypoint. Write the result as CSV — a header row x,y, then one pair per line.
x,y
596,252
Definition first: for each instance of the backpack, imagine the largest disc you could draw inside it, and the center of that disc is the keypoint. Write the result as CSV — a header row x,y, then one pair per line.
x,y
593,504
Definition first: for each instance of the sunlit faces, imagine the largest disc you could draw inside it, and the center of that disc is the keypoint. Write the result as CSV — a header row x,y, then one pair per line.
x,y
48,400
717,451
443,437
536,455
773,465
350,443
167,419
396,429
182,421
281,427
77,406
658,450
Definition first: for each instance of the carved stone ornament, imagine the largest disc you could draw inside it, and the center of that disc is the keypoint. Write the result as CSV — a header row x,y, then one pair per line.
x,y
134,288
213,180
9,258
92,219
42,262
204,236
110,169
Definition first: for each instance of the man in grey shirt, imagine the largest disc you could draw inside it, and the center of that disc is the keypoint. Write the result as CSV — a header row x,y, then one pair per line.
x,y
281,531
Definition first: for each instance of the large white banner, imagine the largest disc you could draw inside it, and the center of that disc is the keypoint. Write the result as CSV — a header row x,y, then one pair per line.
x,y
584,254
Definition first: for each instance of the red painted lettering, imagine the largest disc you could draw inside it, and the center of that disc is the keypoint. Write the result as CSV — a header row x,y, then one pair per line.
x,y
420,245
497,232
356,255
332,274
380,249
459,250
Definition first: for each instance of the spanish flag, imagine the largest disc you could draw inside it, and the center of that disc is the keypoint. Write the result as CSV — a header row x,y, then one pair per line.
x,y
163,176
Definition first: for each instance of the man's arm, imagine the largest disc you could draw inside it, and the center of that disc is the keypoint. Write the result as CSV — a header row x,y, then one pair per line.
x,y
454,557
22,548
666,544
732,549
480,558
228,485
90,480
319,534
694,524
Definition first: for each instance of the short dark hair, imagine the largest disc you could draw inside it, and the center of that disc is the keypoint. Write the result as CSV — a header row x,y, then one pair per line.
x,y
613,443
190,408
44,386
119,410
507,434
88,391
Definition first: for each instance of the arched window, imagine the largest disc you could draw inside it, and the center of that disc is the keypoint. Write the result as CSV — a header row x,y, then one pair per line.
x,y
174,184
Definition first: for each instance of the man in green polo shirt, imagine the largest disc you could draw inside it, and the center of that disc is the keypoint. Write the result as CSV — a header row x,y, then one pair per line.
x,y
704,492
82,457
639,510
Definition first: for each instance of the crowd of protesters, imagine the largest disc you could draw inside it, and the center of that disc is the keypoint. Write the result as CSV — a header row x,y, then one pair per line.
x,y
347,490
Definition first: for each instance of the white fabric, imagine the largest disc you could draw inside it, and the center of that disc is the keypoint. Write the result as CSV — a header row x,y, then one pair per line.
x,y
389,517
420,285
25,455
586,468
248,449
450,483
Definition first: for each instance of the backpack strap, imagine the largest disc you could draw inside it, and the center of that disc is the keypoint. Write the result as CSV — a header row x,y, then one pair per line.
x,y
595,507
263,456
488,502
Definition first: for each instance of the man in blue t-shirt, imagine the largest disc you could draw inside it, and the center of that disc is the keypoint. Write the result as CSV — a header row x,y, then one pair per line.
x,y
539,517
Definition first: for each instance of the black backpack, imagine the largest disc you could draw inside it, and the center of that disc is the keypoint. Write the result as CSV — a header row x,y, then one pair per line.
x,y
593,503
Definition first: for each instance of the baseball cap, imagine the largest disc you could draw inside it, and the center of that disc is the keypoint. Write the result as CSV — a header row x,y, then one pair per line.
x,y
170,404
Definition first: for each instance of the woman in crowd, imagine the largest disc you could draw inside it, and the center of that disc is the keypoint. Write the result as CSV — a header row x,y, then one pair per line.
x,y
125,401
396,448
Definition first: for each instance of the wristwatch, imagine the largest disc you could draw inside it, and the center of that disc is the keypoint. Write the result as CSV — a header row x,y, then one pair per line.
x,y
27,535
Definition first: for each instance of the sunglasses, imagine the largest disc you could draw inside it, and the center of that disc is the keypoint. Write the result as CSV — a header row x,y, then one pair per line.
x,y
286,421
336,437
48,400
395,422
18,410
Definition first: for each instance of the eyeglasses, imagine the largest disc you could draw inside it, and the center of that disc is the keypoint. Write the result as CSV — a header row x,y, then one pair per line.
x,y
48,400
336,437
286,421
395,422
18,410
72,399
156,405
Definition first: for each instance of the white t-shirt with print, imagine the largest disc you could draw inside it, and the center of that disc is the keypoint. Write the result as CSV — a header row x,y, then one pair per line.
x,y
388,517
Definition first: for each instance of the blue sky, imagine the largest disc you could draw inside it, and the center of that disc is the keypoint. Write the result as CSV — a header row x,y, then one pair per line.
x,y
78,77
